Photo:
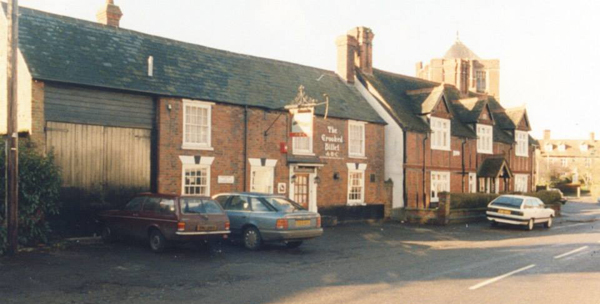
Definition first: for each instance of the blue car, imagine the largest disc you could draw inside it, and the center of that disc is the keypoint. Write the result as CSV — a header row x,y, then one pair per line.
x,y
259,218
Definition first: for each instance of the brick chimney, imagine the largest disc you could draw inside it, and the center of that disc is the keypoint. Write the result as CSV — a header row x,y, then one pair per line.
x,y
346,50
110,14
592,136
364,55
546,134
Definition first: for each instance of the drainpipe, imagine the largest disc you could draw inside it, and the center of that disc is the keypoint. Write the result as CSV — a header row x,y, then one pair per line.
x,y
404,193
463,164
245,147
424,191
509,157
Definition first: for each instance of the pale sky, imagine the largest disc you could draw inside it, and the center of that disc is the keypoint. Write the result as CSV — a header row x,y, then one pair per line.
x,y
548,50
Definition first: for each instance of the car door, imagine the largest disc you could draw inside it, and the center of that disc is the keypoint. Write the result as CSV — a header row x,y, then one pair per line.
x,y
147,217
542,210
261,215
130,216
238,210
528,209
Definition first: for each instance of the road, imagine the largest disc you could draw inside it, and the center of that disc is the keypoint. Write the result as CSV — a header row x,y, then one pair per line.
x,y
360,263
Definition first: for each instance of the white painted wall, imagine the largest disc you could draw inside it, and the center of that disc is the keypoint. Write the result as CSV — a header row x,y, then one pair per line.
x,y
23,82
394,149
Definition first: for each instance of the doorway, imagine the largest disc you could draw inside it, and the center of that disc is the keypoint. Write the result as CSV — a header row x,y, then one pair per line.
x,y
303,189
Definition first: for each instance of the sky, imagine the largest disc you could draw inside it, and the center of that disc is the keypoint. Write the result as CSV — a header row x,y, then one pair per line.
x,y
548,50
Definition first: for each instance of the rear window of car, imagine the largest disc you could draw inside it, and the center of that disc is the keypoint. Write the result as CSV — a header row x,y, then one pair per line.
x,y
283,204
507,201
198,205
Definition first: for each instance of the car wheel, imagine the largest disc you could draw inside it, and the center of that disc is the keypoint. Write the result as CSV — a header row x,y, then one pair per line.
x,y
107,235
252,239
530,225
158,243
548,224
294,244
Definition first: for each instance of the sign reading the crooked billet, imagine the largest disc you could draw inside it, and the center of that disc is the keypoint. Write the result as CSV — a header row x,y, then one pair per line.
x,y
302,122
333,141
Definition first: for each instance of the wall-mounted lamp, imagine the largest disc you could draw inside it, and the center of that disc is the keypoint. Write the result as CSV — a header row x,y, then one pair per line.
x,y
293,179
336,176
169,107
317,180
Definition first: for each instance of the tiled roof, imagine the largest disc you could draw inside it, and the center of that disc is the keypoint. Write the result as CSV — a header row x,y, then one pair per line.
x,y
469,109
409,98
68,50
572,147
492,167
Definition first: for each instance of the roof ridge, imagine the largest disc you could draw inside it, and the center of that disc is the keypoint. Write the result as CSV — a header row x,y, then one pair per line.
x,y
409,77
165,39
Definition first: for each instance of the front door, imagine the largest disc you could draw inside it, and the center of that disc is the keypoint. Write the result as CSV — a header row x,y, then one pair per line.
x,y
301,189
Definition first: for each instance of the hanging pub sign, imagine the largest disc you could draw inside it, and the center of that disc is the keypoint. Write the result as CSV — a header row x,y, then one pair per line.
x,y
302,122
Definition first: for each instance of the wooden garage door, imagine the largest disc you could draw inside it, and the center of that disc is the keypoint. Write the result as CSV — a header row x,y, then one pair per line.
x,y
100,157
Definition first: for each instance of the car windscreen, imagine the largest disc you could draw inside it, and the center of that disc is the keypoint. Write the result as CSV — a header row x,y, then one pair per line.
x,y
507,201
190,205
283,204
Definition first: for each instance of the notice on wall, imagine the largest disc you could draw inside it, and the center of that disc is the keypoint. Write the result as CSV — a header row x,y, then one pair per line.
x,y
226,179
302,122
332,141
281,188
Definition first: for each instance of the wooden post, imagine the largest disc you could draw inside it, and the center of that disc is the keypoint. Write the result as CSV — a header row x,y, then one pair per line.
x,y
12,174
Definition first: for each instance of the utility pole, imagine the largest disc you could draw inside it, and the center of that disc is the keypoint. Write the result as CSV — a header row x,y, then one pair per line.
x,y
12,135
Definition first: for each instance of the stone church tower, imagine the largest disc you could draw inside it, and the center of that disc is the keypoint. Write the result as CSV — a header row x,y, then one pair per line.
x,y
463,68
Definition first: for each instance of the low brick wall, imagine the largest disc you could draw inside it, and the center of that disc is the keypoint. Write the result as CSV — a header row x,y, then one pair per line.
x,y
354,213
461,216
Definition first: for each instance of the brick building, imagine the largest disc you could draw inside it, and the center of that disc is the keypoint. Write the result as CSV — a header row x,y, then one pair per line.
x,y
574,159
439,137
125,111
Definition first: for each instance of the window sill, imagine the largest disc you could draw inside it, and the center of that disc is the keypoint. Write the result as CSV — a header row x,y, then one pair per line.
x,y
304,153
356,204
193,147
357,156
522,155
485,152
440,148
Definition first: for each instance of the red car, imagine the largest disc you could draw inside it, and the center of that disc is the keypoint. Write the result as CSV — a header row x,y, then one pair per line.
x,y
161,218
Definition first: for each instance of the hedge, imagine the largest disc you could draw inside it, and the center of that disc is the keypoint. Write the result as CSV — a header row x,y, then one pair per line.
x,y
481,200
39,185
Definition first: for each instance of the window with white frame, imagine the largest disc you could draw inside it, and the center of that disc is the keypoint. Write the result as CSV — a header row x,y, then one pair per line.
x,y
440,182
440,133
583,147
303,145
548,147
262,175
562,147
196,124
472,182
521,182
356,183
522,139
356,138
196,180
485,139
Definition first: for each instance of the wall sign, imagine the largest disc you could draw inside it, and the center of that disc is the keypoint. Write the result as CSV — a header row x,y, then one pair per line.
x,y
332,141
281,188
226,179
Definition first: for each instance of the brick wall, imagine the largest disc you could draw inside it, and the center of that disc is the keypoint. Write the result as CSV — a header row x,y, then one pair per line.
x,y
228,144
38,120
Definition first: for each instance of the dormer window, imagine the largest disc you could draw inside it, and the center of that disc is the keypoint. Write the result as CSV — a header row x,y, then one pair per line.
x,y
485,139
583,147
548,147
562,147
440,133
522,139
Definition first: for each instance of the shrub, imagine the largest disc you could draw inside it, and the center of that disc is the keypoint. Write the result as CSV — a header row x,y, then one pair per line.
x,y
39,185
470,200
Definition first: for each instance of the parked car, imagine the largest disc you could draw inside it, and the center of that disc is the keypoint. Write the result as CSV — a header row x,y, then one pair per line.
x,y
519,210
161,219
563,199
258,218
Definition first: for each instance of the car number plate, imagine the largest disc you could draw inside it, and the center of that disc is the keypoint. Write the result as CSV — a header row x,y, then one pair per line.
x,y
206,228
302,223
504,212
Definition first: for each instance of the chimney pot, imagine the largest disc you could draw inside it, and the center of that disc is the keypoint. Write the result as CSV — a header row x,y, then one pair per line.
x,y
110,14
364,52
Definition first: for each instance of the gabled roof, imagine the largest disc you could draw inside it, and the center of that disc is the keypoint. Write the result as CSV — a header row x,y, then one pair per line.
x,y
517,115
470,109
63,49
408,98
494,167
460,51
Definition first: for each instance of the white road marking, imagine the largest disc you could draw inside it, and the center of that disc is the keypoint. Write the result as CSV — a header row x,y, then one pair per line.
x,y
498,278
574,225
571,252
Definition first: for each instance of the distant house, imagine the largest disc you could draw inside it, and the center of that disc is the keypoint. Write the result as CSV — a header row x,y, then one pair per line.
x,y
440,137
125,111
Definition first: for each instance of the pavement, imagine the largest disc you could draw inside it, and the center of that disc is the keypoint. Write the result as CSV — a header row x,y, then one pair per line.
x,y
358,263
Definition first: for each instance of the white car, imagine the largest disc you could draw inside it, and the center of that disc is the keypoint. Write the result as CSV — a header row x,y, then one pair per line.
x,y
519,210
